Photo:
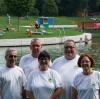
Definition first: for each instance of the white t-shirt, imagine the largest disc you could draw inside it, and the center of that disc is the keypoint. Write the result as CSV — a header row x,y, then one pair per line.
x,y
87,86
42,84
67,69
11,82
29,63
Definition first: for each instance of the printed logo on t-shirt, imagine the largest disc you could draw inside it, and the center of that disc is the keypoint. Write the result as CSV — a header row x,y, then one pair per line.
x,y
50,80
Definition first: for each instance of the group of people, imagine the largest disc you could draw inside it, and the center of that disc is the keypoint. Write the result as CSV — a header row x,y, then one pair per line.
x,y
68,77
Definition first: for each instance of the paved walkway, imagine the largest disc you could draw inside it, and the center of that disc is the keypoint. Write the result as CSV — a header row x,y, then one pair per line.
x,y
55,26
45,41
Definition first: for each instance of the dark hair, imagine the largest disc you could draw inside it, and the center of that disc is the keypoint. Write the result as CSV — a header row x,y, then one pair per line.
x,y
86,55
44,54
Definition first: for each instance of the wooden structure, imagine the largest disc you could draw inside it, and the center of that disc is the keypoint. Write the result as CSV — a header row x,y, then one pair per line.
x,y
89,25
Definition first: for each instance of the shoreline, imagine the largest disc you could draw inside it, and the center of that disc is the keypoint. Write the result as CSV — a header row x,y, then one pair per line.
x,y
45,41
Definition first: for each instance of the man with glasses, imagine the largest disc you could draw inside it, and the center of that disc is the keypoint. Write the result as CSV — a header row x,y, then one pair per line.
x,y
66,66
12,78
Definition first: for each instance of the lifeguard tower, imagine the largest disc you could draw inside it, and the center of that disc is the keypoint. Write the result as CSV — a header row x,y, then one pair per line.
x,y
42,25
45,21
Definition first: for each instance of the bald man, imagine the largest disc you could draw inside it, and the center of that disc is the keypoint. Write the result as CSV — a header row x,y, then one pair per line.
x,y
12,77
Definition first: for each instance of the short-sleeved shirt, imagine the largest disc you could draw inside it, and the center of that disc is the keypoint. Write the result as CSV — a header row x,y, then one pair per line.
x,y
11,82
87,86
42,84
67,69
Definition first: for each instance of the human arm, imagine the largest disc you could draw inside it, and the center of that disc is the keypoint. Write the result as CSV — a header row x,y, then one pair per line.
x,y
58,85
30,95
99,84
23,93
0,86
24,81
99,93
73,93
56,93
0,94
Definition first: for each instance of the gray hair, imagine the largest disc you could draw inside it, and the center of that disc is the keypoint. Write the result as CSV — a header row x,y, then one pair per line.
x,y
69,40
34,40
9,50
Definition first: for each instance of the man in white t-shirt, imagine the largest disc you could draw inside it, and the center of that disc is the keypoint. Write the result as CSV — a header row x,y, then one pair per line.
x,y
29,62
12,78
67,67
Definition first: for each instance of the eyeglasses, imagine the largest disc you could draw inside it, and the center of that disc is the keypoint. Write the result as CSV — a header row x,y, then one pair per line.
x,y
71,47
12,56
43,58
85,62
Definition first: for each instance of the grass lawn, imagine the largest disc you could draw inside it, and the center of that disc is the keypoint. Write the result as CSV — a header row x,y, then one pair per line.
x,y
52,33
27,22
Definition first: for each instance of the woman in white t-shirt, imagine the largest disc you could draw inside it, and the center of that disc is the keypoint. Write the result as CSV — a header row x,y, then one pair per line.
x,y
44,83
86,85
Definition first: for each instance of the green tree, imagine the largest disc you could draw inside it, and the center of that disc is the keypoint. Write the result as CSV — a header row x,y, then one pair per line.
x,y
32,10
19,7
3,8
38,6
50,8
66,7
91,5
98,6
